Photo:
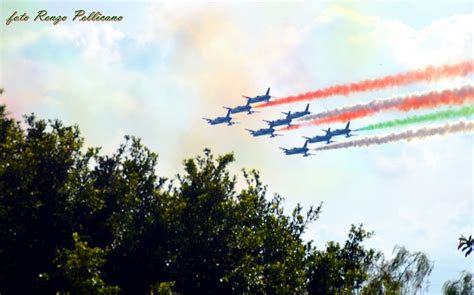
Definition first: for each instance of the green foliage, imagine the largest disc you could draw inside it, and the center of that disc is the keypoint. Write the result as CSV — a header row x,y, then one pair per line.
x,y
229,242
81,267
463,286
341,269
406,273
163,288
36,185
466,244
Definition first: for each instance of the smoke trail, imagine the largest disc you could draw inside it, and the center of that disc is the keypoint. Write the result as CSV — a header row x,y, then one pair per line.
x,y
441,115
461,126
413,102
427,74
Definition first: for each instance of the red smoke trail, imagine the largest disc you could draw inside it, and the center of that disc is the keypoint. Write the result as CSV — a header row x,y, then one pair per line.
x,y
413,102
427,74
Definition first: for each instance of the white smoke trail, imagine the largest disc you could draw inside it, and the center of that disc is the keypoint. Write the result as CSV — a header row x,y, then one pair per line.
x,y
432,98
461,126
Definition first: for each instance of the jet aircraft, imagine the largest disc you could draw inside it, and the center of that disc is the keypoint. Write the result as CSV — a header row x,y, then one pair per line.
x,y
264,131
220,120
320,138
346,131
280,122
298,150
240,109
297,115
260,98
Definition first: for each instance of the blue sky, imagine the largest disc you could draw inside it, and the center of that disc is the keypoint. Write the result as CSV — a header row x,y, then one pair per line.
x,y
161,69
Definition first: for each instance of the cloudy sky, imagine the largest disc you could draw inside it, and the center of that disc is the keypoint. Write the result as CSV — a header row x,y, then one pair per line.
x,y
165,66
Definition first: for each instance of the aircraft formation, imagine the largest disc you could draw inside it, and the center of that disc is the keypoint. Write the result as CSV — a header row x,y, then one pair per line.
x,y
286,121
435,105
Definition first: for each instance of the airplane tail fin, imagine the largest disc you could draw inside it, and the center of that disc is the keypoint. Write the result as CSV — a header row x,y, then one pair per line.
x,y
307,107
228,111
348,123
306,143
268,91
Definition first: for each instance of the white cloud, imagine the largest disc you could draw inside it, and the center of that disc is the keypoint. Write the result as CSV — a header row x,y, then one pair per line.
x,y
97,44
445,40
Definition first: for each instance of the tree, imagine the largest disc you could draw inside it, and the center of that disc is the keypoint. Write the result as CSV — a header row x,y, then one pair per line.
x,y
229,242
36,183
341,269
467,244
463,286
48,191
406,273
129,218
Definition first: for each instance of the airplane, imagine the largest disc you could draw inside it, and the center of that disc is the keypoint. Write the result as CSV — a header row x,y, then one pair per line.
x,y
345,131
297,115
280,122
264,131
320,138
260,98
241,109
220,120
298,150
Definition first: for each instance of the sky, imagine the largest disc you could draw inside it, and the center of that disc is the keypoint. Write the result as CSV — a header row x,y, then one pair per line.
x,y
166,65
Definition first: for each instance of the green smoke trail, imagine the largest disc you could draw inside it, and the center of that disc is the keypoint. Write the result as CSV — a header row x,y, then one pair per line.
x,y
441,115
